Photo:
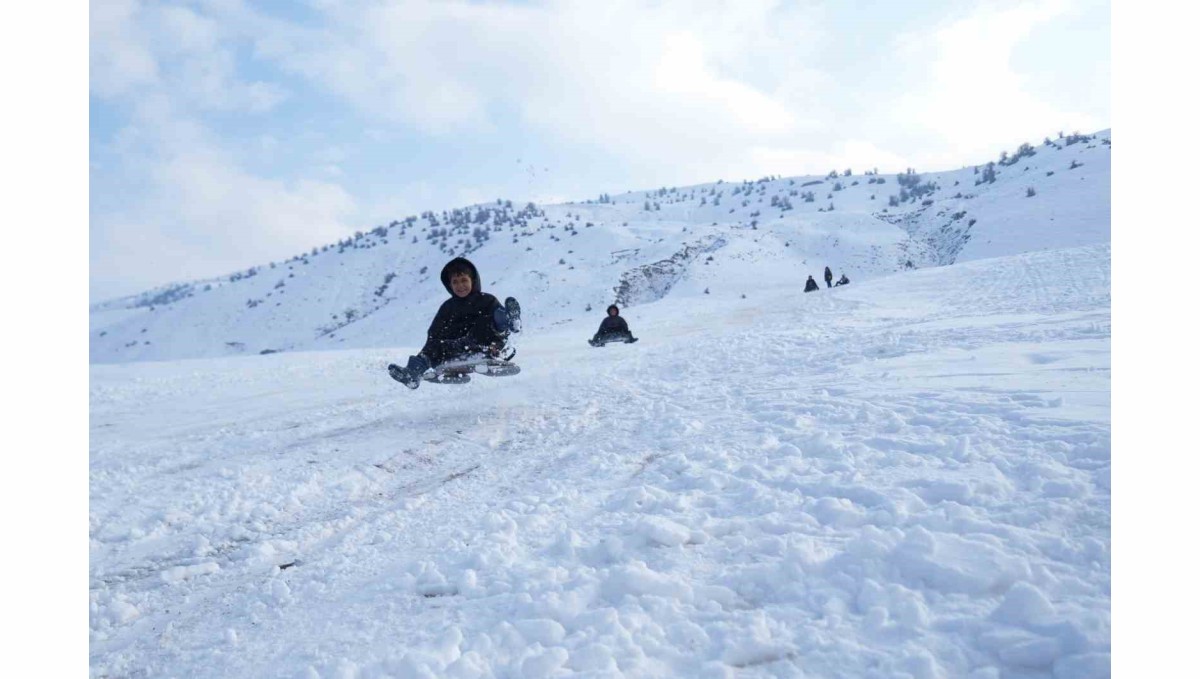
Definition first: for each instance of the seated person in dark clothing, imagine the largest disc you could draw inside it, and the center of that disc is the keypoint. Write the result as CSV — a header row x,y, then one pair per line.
x,y
613,328
811,285
842,281
471,322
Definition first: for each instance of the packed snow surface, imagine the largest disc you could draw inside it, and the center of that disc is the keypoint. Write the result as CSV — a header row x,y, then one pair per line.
x,y
904,477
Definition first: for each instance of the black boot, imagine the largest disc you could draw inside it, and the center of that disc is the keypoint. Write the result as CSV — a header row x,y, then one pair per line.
x,y
514,314
410,376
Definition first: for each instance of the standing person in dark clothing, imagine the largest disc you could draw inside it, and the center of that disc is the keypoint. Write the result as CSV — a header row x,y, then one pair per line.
x,y
470,322
828,278
811,285
613,328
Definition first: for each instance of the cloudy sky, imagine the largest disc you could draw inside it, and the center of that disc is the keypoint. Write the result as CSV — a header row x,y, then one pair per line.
x,y
226,133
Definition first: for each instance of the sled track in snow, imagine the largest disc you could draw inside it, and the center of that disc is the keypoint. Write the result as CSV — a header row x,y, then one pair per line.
x,y
431,473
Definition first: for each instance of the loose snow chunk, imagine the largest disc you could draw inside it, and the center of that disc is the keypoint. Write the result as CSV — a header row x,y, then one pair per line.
x,y
409,666
663,531
899,604
922,665
448,646
687,634
470,666
180,573
787,450
345,669
1024,604
279,591
542,630
1085,666
430,582
1032,653
723,596
1065,489
641,498
637,580
956,564
1097,450
545,664
837,512
122,612
609,549
432,587
941,491
594,658
755,652
822,445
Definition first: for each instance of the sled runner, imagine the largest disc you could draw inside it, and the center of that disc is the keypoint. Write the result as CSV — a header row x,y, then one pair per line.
x,y
459,371
621,340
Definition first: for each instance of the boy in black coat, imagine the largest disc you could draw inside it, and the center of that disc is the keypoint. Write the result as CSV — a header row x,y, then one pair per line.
x,y
811,285
613,327
470,322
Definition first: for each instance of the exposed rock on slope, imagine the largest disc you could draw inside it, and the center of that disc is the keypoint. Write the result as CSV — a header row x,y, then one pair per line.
x,y
651,282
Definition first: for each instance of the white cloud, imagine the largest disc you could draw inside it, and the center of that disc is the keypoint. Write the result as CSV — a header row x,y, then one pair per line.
x,y
197,211
971,101
120,62
649,78
206,216
194,208
856,155
682,71
681,90
670,92
173,50
182,30
386,59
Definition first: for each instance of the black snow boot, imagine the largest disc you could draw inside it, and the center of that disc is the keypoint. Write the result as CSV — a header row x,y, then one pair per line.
x,y
514,314
409,376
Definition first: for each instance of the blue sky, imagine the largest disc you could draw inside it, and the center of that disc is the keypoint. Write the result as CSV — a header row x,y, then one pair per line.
x,y
225,133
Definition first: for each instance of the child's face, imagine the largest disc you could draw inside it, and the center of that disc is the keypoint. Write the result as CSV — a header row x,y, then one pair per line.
x,y
460,284
612,312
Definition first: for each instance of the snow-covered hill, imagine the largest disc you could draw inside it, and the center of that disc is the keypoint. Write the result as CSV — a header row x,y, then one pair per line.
x,y
567,262
907,476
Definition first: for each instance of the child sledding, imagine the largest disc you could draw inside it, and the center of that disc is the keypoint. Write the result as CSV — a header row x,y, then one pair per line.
x,y
468,335
612,329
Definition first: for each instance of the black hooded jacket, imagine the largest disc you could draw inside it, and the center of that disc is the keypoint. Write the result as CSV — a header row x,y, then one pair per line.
x,y
462,324
613,324
828,275
811,285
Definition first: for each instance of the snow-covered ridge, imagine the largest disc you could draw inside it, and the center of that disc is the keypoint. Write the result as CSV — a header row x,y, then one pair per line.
x,y
563,261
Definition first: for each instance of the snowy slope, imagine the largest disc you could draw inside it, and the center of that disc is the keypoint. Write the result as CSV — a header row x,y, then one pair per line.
x,y
381,288
907,476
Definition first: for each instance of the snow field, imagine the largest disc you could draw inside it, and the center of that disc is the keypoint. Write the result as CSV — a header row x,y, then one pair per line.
x,y
907,476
